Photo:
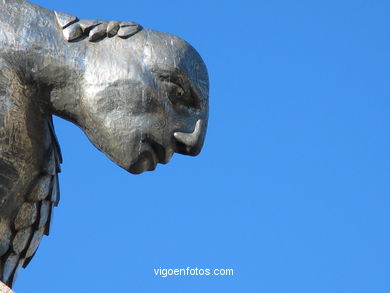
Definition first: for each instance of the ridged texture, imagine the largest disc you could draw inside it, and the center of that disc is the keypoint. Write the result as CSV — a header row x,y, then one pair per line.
x,y
21,237
75,29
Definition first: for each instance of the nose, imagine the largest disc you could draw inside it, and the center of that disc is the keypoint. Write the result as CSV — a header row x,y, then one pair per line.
x,y
190,143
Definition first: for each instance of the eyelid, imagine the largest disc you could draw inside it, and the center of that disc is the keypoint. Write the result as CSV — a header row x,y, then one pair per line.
x,y
173,78
174,75
177,77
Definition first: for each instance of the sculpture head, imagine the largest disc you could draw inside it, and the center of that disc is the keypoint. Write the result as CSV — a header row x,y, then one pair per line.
x,y
144,98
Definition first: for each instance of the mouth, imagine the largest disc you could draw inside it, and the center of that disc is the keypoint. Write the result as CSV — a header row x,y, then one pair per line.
x,y
154,153
163,154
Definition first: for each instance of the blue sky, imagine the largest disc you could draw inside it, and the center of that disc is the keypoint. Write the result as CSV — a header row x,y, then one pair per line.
x,y
292,187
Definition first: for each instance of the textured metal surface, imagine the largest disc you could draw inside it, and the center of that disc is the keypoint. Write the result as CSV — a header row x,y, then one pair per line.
x,y
26,216
139,95
6,234
21,239
10,265
74,29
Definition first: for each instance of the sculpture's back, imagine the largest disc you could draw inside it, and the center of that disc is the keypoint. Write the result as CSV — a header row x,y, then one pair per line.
x,y
29,154
139,100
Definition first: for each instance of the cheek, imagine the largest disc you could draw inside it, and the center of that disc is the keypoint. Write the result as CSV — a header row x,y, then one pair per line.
x,y
148,110
129,98
146,100
125,109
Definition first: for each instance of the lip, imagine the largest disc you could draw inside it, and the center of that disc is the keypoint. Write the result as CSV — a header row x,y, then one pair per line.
x,y
163,154
154,153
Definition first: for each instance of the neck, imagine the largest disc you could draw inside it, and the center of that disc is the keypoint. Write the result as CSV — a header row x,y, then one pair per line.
x,y
43,58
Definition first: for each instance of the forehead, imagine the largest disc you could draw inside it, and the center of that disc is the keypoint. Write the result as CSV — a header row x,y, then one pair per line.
x,y
166,48
148,50
168,52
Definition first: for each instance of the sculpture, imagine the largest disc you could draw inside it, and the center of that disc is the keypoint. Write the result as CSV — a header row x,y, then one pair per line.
x,y
138,94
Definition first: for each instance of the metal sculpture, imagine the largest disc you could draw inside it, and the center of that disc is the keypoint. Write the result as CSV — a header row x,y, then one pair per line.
x,y
139,95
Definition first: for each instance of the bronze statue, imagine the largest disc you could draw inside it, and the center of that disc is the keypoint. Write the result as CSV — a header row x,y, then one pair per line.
x,y
138,94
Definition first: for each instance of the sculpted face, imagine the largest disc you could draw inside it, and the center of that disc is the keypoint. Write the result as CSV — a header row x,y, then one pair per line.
x,y
145,98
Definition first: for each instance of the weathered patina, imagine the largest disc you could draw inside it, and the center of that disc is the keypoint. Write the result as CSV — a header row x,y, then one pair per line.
x,y
139,95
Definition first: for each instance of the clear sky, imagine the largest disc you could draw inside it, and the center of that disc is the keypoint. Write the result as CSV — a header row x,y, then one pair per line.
x,y
292,187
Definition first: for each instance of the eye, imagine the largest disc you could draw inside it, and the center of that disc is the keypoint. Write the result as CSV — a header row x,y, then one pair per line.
x,y
178,92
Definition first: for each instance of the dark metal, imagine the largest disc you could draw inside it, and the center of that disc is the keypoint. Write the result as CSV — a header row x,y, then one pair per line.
x,y
139,95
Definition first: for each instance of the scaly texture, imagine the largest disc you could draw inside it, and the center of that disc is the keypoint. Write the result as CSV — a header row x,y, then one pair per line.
x,y
22,235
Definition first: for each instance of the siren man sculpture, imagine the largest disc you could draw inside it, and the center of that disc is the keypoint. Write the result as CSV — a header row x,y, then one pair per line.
x,y
139,95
